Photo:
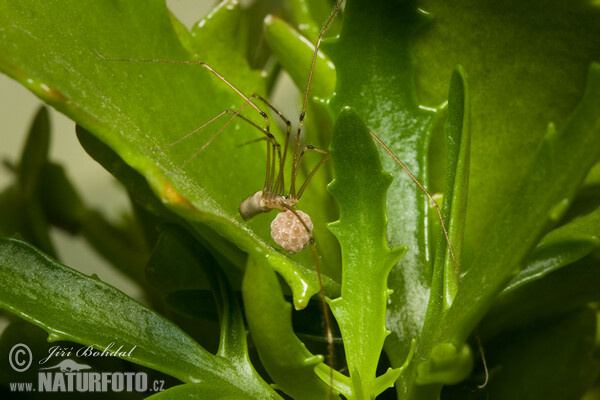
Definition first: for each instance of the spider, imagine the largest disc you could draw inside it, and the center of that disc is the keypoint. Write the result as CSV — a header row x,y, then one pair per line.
x,y
291,229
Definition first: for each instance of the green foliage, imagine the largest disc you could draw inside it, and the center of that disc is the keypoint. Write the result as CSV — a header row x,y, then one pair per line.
x,y
494,106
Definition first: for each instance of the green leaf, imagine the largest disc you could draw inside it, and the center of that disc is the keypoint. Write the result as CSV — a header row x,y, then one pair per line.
x,y
375,78
542,196
284,356
446,363
527,64
295,54
147,113
71,306
458,138
360,187
446,280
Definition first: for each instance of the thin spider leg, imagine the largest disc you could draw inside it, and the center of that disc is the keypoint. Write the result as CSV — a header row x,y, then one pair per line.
x,y
222,128
203,65
437,208
483,360
252,141
210,122
292,187
268,170
276,145
313,172
313,248
272,107
337,8
268,190
280,182
295,164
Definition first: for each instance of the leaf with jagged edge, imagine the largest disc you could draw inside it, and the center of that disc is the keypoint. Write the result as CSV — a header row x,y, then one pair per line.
x,y
360,187
375,77
389,53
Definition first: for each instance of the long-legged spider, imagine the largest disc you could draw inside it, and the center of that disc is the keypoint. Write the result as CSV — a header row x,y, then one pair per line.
x,y
291,229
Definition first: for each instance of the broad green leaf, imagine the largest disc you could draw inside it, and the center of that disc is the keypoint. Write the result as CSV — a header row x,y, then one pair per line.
x,y
285,357
527,64
136,108
74,307
360,188
542,197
